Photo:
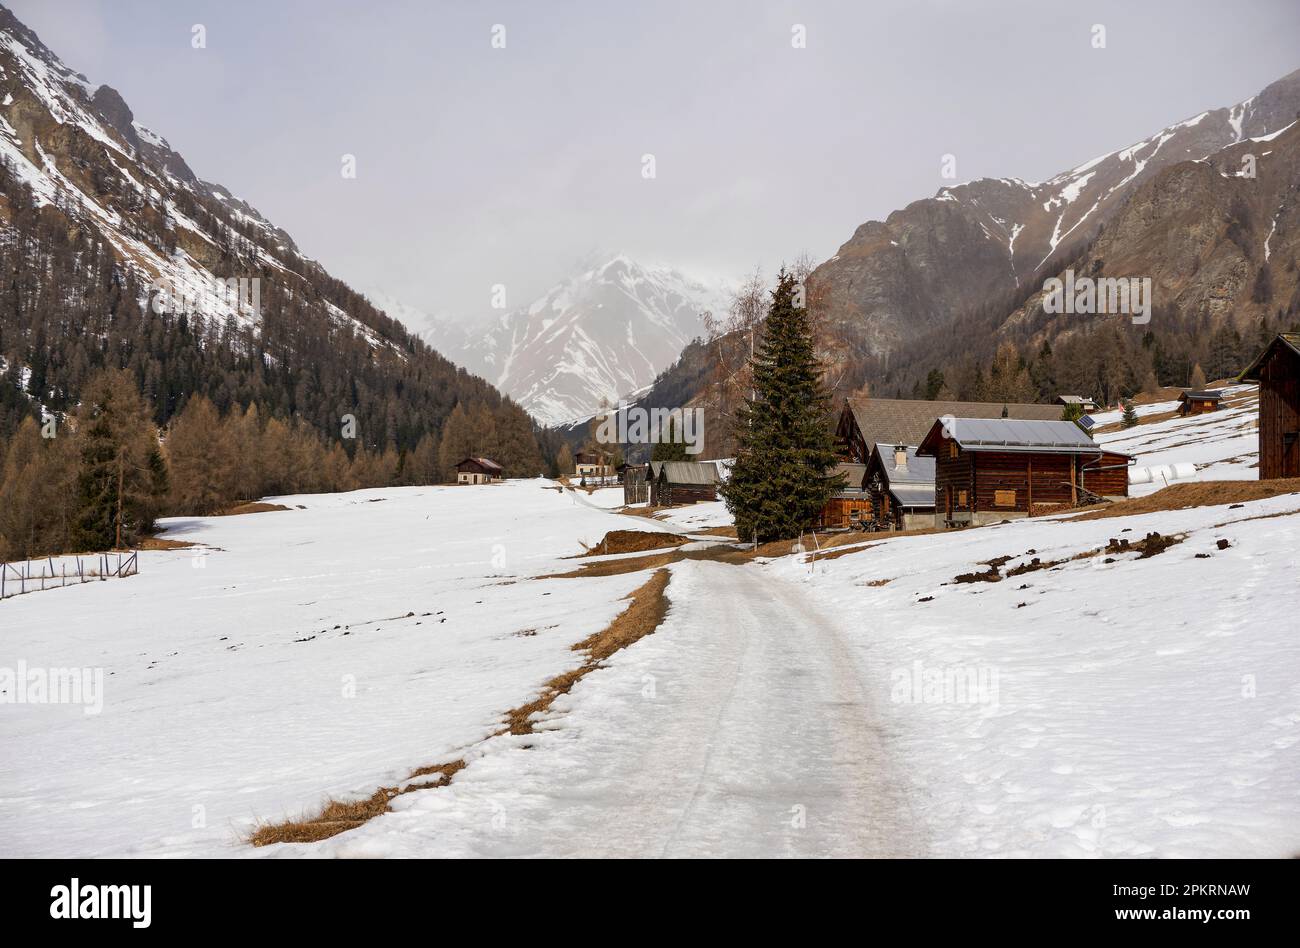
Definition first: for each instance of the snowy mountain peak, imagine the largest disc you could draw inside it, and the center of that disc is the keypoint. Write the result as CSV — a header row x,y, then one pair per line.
x,y
602,333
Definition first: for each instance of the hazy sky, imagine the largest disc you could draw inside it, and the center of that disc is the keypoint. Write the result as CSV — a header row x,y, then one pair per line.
x,y
478,166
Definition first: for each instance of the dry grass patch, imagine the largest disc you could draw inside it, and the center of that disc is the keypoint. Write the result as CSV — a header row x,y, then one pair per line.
x,y
649,605
634,541
339,817
163,543
648,608
1198,494
258,507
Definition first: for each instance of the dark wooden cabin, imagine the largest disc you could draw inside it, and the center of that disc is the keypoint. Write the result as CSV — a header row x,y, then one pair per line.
x,y
1277,370
681,482
478,471
1199,403
864,422
850,505
989,470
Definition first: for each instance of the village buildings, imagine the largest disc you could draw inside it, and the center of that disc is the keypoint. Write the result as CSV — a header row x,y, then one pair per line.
x,y
593,465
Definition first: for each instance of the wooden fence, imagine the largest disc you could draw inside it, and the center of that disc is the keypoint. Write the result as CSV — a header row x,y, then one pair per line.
x,y
19,578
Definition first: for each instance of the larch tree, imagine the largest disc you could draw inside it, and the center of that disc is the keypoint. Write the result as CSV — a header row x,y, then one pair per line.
x,y
564,461
123,476
202,460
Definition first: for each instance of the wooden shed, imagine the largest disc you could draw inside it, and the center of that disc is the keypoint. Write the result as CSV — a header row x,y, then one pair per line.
x,y
1198,403
1277,370
681,482
636,488
989,470
478,471
901,487
850,505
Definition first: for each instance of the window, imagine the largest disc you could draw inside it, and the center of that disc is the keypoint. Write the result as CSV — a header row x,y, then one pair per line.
x,y
952,450
961,498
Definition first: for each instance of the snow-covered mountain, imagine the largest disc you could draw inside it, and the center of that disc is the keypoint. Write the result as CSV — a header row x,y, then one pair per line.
x,y
116,246
972,243
604,333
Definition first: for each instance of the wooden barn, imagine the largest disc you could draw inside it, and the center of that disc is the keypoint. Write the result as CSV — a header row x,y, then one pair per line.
x,y
989,470
865,422
636,489
1277,370
1198,403
849,506
901,487
681,482
478,471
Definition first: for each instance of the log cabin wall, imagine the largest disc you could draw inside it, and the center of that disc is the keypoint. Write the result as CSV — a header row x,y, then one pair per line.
x,y
954,480
1279,415
673,494
1107,476
1011,482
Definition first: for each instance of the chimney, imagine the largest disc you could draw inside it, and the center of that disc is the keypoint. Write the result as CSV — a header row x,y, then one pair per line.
x,y
900,458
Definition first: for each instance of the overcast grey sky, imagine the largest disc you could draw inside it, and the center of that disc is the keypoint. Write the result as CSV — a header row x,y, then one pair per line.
x,y
478,166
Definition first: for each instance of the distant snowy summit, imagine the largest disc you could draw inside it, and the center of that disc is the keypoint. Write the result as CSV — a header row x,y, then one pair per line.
x,y
601,334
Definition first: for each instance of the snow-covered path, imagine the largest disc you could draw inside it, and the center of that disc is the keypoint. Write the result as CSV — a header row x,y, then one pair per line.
x,y
739,728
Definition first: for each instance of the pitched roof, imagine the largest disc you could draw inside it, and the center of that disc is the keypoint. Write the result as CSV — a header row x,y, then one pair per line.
x,y
913,495
1213,395
908,420
482,462
1289,339
1008,434
853,475
687,472
920,470
1075,400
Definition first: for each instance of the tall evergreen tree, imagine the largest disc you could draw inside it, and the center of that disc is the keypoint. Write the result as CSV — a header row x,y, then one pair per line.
x,y
782,476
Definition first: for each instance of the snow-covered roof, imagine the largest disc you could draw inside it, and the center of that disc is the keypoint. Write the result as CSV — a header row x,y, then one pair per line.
x,y
1010,434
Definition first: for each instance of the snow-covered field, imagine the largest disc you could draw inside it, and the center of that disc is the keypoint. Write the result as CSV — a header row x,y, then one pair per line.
x,y
310,653
1224,445
1139,707
868,704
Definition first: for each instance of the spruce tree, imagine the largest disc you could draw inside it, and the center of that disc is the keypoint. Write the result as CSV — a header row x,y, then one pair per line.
x,y
1130,414
782,476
